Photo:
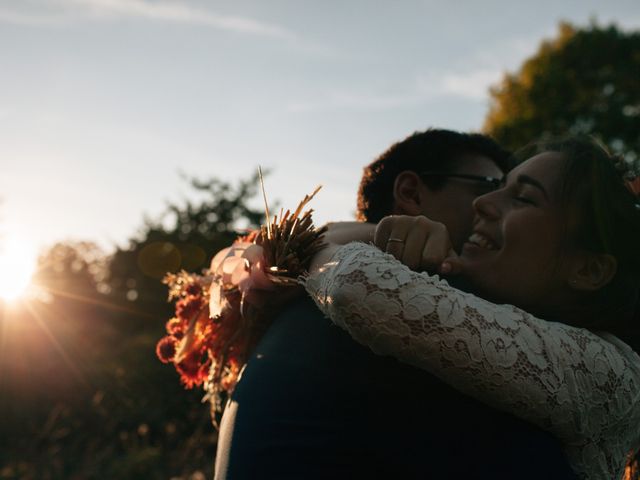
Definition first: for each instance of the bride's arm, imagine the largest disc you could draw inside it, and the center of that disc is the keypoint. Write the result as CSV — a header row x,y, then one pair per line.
x,y
567,380
338,234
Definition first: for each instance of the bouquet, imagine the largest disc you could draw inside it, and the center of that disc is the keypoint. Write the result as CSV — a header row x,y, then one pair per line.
x,y
221,314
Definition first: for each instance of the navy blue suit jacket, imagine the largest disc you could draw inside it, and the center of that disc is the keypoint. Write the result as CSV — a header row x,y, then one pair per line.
x,y
312,403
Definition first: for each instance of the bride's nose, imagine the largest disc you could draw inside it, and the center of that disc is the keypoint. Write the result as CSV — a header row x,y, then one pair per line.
x,y
486,205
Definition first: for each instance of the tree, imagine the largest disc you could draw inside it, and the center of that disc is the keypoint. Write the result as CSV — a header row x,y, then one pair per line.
x,y
584,81
73,268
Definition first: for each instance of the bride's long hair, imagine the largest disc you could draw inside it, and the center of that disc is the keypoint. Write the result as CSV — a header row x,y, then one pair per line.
x,y
601,195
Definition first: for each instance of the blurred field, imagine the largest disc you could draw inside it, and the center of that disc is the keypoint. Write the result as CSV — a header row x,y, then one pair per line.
x,y
83,396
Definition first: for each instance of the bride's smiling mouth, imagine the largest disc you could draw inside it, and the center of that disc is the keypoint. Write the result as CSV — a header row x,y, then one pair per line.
x,y
480,241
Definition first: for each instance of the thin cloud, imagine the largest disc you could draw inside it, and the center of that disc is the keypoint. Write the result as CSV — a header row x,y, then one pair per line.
x,y
473,85
352,101
180,13
469,85
72,10
30,19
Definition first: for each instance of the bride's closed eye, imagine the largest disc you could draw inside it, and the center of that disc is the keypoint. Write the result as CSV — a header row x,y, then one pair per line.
x,y
526,194
526,200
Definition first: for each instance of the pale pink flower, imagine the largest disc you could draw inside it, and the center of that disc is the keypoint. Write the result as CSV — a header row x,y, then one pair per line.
x,y
242,265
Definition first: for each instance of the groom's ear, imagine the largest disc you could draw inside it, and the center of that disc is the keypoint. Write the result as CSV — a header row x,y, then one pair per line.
x,y
592,271
408,193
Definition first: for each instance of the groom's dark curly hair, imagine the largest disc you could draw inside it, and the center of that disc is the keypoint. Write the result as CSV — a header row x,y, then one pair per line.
x,y
433,149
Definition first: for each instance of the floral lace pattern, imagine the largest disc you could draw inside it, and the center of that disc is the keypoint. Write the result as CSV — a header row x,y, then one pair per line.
x,y
581,386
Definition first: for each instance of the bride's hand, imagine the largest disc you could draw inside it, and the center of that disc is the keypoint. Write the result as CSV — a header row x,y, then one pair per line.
x,y
418,242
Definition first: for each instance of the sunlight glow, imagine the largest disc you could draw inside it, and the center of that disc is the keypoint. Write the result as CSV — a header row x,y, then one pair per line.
x,y
17,264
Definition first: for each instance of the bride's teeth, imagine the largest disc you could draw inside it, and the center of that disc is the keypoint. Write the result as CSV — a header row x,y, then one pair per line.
x,y
482,241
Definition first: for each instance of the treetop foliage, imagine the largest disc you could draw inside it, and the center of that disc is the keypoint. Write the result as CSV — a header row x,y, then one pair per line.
x,y
583,81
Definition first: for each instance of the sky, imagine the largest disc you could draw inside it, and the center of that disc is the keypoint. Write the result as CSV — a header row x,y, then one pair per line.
x,y
106,104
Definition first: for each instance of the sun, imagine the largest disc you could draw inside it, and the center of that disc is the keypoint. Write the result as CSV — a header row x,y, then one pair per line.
x,y
17,264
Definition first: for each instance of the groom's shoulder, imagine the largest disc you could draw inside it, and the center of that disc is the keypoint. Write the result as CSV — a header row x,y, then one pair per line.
x,y
305,366
304,344
301,339
311,393
304,363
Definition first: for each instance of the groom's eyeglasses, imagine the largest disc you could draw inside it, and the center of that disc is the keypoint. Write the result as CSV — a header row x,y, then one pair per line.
x,y
487,184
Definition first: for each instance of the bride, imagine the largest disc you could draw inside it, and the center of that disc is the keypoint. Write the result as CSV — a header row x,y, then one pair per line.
x,y
560,239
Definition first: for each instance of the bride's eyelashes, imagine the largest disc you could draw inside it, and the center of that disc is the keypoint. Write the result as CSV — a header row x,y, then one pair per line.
x,y
524,195
525,200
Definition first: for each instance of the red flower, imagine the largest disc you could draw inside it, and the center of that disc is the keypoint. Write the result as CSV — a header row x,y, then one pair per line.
x,y
166,349
193,289
176,327
187,307
194,369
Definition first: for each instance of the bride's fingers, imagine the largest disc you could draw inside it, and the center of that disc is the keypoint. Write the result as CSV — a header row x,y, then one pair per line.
x,y
397,239
414,245
436,248
382,232
391,234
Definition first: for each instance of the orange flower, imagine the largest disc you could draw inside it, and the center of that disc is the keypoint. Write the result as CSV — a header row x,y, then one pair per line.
x,y
194,369
166,348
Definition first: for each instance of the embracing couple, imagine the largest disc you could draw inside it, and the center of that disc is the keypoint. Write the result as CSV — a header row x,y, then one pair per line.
x,y
489,325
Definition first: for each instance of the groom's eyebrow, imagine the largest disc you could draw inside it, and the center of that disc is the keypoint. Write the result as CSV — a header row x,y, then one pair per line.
x,y
526,179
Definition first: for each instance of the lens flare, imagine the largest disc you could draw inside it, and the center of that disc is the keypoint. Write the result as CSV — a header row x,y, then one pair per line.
x,y
17,264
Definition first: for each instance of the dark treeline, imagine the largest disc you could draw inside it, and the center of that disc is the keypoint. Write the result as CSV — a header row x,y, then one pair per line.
x,y
82,392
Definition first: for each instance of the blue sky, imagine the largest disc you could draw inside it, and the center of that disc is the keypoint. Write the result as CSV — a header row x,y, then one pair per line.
x,y
103,102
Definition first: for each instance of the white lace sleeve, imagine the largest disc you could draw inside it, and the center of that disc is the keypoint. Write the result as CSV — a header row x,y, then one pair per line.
x,y
580,386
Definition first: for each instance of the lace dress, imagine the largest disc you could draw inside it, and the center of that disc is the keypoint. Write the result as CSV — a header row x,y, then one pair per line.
x,y
583,387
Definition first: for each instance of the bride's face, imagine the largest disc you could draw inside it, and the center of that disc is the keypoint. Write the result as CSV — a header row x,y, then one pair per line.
x,y
515,253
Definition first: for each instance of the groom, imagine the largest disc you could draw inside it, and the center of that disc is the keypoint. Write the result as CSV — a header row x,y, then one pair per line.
x,y
312,403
